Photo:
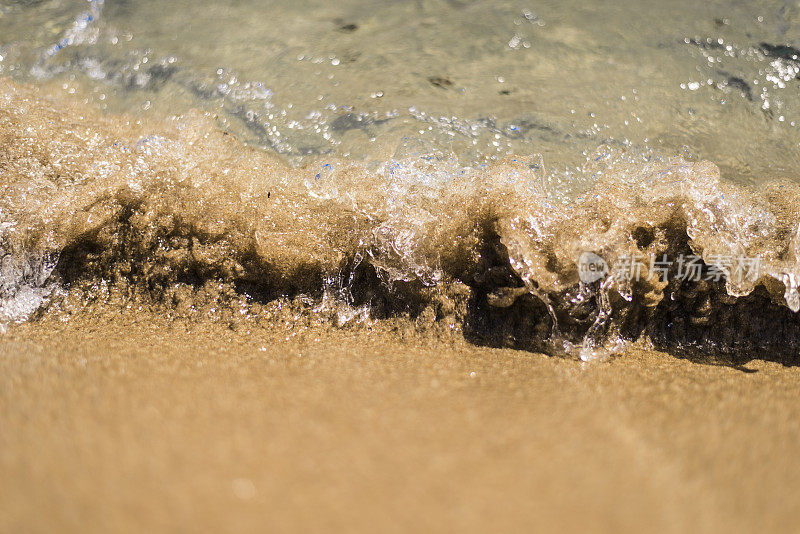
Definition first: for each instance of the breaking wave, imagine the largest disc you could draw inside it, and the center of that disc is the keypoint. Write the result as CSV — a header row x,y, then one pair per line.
x,y
185,217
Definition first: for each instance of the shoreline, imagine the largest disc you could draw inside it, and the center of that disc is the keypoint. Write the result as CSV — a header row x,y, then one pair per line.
x,y
182,217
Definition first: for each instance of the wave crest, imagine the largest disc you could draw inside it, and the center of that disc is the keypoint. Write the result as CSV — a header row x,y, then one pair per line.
x,y
164,210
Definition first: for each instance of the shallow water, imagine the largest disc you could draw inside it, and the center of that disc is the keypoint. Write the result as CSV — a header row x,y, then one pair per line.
x,y
715,80
407,150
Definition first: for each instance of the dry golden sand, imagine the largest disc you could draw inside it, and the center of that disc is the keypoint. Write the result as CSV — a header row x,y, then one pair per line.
x,y
134,425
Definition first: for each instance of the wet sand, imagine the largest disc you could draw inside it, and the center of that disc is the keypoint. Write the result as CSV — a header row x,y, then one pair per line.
x,y
137,424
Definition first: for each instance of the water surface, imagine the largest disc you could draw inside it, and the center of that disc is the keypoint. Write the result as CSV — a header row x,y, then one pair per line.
x,y
715,80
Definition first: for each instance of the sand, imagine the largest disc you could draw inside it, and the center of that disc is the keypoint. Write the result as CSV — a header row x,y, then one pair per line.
x,y
179,371
137,424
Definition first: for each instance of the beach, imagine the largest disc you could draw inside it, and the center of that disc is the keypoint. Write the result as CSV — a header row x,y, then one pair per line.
x,y
442,265
132,424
